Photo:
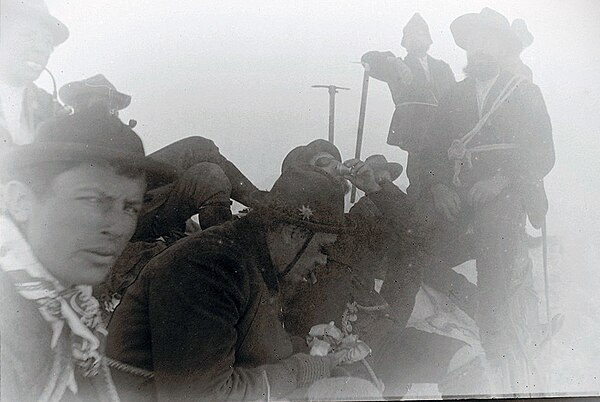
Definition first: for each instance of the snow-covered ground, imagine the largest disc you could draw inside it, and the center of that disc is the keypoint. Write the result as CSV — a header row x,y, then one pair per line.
x,y
573,365
574,276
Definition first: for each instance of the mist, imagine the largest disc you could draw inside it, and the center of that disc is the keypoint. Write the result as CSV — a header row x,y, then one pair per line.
x,y
240,73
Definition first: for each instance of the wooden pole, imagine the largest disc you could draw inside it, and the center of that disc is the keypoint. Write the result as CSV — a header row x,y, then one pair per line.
x,y
361,124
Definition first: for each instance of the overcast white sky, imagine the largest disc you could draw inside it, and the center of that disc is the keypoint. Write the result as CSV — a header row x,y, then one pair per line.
x,y
240,73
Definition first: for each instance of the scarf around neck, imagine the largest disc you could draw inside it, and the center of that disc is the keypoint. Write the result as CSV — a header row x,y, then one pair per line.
x,y
59,306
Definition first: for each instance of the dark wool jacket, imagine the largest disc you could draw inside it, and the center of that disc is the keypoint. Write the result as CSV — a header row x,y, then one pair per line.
x,y
409,121
204,317
522,120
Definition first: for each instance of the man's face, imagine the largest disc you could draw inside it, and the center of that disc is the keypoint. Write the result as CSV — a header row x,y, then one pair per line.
x,y
382,175
483,55
313,257
417,43
25,48
83,224
327,162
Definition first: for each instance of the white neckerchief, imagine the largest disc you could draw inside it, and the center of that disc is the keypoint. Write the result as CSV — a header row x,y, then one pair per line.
x,y
425,65
75,307
11,101
482,88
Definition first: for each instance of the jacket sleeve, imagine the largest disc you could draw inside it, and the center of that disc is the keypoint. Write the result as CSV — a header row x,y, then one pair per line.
x,y
434,152
536,156
193,311
446,79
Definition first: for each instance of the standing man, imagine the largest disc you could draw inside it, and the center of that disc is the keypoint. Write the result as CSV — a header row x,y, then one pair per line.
x,y
204,315
417,83
70,205
490,142
28,37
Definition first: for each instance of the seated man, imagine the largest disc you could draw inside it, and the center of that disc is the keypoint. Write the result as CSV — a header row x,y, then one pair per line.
x,y
70,205
204,315
384,234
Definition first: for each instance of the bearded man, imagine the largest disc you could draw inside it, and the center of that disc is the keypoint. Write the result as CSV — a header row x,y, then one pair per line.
x,y
488,147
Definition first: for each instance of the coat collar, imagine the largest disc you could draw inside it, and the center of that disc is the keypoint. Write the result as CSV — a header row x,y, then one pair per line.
x,y
252,237
495,90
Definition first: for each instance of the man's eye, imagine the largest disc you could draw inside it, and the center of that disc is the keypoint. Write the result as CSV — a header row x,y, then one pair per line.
x,y
132,209
323,161
91,200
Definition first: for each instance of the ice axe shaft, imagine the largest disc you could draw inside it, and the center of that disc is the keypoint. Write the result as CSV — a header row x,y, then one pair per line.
x,y
545,266
361,124
332,89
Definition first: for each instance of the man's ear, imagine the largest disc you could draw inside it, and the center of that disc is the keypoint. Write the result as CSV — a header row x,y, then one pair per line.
x,y
287,233
293,234
18,200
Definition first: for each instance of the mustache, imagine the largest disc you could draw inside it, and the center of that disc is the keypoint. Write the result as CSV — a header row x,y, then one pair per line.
x,y
482,66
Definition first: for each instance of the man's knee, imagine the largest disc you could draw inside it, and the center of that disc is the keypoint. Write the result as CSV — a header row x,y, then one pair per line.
x,y
205,182
197,143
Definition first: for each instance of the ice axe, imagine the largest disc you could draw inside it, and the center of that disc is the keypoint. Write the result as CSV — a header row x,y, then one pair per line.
x,y
332,89
361,121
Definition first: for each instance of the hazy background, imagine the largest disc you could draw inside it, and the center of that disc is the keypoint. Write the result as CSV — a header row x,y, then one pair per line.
x,y
240,73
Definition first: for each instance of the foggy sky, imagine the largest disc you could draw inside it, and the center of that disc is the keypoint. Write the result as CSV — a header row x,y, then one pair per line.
x,y
240,73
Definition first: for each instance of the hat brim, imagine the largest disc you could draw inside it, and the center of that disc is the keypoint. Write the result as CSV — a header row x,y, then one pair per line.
x,y
23,156
60,32
469,27
395,169
70,92
269,213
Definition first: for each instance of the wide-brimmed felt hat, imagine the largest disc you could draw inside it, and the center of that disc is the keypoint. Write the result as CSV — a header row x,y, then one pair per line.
x,y
415,26
93,135
303,153
37,11
307,197
471,27
96,85
379,162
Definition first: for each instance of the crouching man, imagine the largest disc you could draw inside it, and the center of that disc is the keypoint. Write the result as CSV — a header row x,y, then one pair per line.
x,y
204,316
69,206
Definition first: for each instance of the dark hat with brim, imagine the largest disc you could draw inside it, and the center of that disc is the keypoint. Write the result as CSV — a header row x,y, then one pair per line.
x,y
472,27
307,197
379,162
96,85
303,153
90,136
35,10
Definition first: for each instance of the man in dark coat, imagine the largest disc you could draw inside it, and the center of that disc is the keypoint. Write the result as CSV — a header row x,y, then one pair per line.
x,y
27,39
416,82
204,315
489,145
70,202
386,242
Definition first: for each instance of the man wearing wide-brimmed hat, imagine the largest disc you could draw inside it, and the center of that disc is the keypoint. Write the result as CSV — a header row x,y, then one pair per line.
x,y
69,207
28,37
490,146
204,316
